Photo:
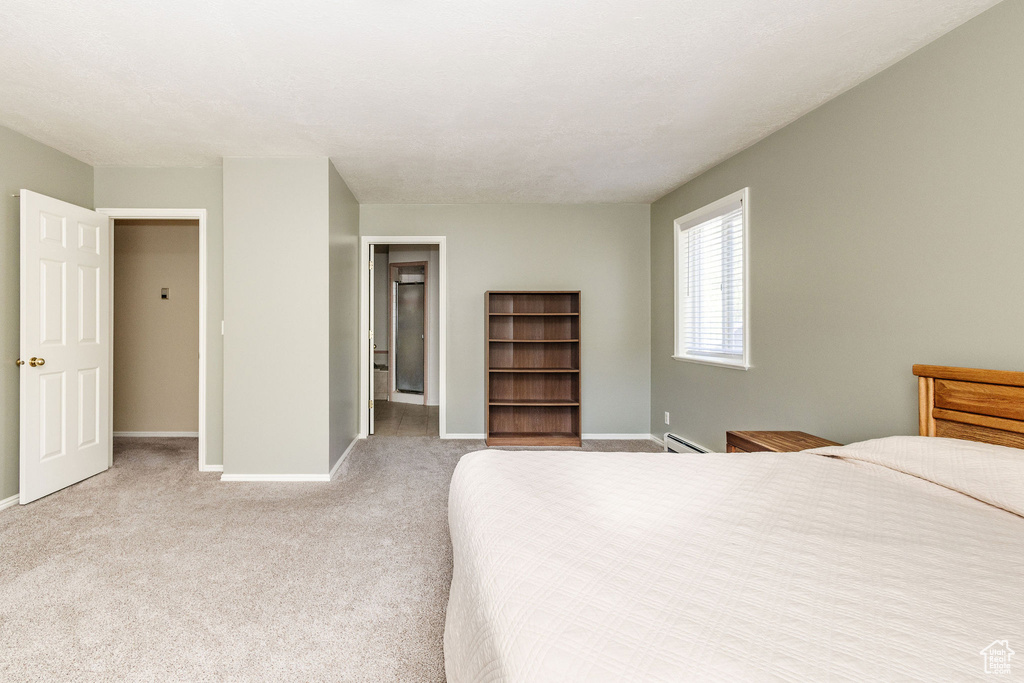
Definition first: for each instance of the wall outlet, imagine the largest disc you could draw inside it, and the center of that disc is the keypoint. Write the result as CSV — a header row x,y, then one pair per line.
x,y
666,417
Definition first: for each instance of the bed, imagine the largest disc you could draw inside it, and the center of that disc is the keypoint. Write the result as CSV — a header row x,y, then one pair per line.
x,y
893,559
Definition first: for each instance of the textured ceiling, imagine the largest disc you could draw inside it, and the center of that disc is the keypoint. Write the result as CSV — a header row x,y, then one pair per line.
x,y
451,100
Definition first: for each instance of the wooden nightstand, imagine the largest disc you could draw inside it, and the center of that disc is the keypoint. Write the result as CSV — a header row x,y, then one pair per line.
x,y
774,442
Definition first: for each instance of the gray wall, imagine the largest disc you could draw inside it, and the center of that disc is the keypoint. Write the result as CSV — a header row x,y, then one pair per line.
x,y
184,188
343,309
276,303
599,249
885,230
24,163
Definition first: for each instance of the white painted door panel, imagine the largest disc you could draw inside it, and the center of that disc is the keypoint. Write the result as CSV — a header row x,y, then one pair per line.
x,y
65,321
373,344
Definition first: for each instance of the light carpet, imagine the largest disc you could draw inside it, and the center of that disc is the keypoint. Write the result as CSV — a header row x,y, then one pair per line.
x,y
153,571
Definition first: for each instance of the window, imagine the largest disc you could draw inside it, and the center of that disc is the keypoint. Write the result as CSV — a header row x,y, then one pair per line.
x,y
711,284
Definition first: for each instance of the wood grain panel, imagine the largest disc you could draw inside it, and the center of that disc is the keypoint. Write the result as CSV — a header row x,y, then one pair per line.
x,y
537,302
774,442
507,386
535,327
1007,377
971,432
539,439
980,420
511,355
924,406
985,399
532,419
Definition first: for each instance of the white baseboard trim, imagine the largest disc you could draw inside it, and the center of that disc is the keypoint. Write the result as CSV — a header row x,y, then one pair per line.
x,y
656,439
275,477
212,468
184,435
343,458
478,437
9,502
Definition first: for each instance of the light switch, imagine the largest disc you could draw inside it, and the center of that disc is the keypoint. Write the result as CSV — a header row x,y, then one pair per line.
x,y
165,293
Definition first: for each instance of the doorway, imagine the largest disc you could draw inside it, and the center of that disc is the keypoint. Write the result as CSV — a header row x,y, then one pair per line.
x,y
406,319
156,328
176,217
408,329
403,309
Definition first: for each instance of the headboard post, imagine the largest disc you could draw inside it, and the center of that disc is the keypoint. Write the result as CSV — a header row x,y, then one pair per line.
x,y
926,401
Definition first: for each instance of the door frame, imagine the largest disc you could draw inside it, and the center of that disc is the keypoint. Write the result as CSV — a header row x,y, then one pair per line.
x,y
392,315
365,377
170,214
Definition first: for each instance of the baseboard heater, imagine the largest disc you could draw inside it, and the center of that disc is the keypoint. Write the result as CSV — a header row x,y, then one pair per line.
x,y
677,444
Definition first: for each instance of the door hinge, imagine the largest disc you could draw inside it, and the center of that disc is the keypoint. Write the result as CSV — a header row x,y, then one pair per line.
x,y
371,404
371,265
371,334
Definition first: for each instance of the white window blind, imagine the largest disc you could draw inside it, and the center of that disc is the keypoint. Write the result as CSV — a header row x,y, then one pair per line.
x,y
711,284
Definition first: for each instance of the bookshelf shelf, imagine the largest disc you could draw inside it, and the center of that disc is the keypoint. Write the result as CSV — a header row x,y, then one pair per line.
x,y
526,370
532,341
535,315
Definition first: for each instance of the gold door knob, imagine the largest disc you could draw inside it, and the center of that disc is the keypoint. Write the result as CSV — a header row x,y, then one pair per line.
x,y
19,362
36,362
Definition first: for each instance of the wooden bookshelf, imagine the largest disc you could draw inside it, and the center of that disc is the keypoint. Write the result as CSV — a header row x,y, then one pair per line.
x,y
533,369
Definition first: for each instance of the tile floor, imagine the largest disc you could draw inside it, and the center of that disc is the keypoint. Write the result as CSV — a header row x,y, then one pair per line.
x,y
404,419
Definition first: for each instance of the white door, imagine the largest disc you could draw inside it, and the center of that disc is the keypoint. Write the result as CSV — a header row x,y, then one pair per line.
x,y
65,344
373,345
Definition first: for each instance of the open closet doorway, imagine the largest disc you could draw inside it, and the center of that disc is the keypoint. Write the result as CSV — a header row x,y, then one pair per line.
x,y
158,326
403,309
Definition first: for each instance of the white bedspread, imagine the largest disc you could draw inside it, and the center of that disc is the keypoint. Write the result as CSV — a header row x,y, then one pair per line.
x,y
661,567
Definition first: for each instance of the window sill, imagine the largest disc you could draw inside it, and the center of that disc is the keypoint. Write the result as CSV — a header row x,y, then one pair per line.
x,y
721,363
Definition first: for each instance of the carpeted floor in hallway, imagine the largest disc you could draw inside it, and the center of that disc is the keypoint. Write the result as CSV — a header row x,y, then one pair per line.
x,y
154,571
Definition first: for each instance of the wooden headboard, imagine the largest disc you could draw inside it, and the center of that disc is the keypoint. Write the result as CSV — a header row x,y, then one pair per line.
x,y
976,405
